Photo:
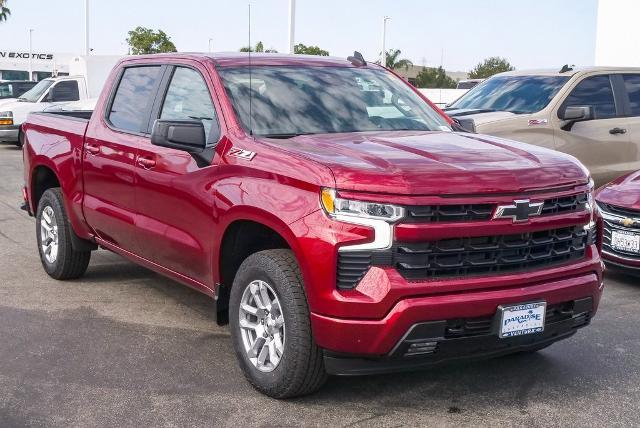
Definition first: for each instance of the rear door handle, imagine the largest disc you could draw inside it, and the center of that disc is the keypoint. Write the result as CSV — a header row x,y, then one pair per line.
x,y
92,149
146,163
617,131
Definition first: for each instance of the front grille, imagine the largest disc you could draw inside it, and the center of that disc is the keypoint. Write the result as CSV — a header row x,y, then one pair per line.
x,y
624,212
460,257
613,217
477,212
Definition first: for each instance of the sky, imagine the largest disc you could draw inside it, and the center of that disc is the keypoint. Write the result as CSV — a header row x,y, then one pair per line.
x,y
461,33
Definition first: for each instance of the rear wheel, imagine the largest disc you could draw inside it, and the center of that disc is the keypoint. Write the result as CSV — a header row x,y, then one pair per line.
x,y
271,326
57,255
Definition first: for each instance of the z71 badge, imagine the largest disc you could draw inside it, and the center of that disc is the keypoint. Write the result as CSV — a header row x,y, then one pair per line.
x,y
241,153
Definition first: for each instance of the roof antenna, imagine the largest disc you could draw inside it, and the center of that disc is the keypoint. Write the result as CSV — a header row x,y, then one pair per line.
x,y
250,80
566,68
357,59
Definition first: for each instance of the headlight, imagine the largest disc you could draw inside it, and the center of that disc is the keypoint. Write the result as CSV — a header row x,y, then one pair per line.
x,y
6,118
335,206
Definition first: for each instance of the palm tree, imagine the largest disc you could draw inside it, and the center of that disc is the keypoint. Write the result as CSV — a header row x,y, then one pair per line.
x,y
394,63
4,10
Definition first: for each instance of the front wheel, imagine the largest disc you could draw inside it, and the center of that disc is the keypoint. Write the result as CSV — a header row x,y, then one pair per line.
x,y
59,259
271,326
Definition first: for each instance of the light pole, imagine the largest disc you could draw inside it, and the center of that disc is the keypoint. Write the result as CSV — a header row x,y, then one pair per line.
x,y
210,40
30,53
292,25
383,53
87,49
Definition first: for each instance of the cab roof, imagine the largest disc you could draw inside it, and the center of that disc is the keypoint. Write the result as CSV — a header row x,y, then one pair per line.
x,y
230,59
572,72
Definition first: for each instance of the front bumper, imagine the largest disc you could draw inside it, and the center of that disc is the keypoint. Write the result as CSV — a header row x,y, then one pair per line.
x,y
426,344
380,338
9,133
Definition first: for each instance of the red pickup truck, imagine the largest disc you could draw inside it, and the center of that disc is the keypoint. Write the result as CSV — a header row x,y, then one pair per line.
x,y
337,219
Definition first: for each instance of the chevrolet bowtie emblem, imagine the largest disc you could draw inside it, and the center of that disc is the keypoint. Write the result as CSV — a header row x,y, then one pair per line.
x,y
626,222
520,211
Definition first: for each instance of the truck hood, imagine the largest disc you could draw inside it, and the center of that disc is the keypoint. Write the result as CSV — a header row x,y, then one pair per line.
x,y
435,163
623,192
21,109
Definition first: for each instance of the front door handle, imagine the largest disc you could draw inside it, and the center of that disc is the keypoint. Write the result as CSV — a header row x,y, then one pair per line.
x,y
617,131
92,149
146,163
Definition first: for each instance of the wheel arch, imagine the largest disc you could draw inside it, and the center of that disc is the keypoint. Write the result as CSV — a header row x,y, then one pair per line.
x,y
267,232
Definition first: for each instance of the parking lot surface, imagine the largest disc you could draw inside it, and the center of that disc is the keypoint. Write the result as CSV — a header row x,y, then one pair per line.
x,y
126,347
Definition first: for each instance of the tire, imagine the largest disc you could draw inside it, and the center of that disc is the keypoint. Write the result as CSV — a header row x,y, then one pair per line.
x,y
20,141
67,262
300,369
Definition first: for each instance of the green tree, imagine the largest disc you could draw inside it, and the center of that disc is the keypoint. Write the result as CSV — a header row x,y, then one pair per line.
x,y
430,77
4,10
146,41
258,48
394,62
303,49
489,67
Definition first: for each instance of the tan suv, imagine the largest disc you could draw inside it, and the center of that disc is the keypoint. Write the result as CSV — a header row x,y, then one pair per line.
x,y
591,113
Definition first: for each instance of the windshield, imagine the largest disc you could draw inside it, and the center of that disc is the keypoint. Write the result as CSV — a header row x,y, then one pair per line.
x,y
516,94
288,101
34,94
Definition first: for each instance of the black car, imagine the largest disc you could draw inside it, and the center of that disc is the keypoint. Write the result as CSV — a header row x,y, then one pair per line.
x,y
15,88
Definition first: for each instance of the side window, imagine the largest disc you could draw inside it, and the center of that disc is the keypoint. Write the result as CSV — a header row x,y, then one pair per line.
x,y
66,90
135,91
594,91
632,84
188,97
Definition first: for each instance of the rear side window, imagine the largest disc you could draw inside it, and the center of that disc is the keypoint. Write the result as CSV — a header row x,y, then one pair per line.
x,y
188,98
597,92
632,84
129,109
66,91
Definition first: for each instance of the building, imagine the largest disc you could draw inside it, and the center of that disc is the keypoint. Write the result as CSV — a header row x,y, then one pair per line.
x,y
14,64
618,33
412,72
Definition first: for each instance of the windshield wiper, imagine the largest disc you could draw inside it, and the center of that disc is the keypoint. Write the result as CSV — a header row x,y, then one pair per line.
x,y
285,135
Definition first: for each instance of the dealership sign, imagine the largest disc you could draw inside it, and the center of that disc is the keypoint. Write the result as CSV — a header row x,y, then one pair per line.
x,y
25,55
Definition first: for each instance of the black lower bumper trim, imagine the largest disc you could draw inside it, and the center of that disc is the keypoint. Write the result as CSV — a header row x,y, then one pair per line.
x,y
438,350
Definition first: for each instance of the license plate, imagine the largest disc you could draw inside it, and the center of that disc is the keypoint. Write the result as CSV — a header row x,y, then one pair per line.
x,y
625,241
518,320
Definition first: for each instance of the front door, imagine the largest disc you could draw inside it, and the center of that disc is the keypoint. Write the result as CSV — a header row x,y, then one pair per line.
x,y
110,154
602,144
173,191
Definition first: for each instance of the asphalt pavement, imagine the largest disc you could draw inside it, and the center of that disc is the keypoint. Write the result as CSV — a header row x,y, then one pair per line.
x,y
124,347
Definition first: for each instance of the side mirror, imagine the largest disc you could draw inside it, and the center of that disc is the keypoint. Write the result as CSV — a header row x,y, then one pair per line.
x,y
577,113
573,114
186,135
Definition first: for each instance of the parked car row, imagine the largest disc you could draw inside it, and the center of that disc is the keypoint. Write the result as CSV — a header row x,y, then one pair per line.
x,y
592,114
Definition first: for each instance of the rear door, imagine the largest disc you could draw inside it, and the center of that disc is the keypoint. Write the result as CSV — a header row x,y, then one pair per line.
x,y
110,153
602,143
175,214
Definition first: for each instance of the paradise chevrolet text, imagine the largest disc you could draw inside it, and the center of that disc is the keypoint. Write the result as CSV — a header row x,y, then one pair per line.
x,y
337,218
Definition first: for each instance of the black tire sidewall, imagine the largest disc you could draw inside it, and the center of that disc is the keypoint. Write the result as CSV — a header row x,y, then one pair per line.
x,y
53,199
259,268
